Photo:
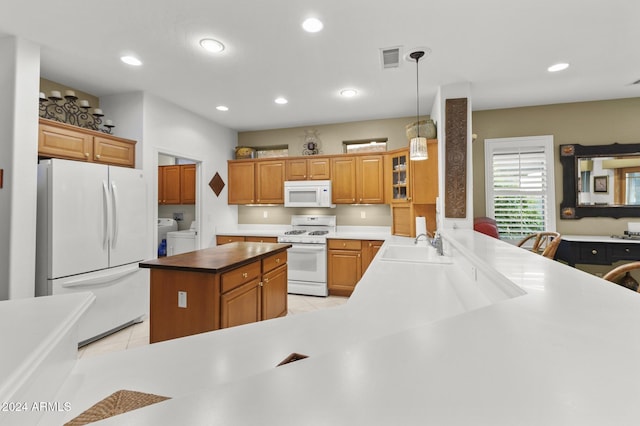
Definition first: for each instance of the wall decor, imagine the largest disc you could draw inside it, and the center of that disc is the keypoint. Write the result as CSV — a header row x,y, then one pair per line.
x,y
617,162
601,184
216,184
455,158
68,109
310,145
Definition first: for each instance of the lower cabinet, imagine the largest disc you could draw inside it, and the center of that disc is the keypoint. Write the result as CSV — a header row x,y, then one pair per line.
x,y
347,261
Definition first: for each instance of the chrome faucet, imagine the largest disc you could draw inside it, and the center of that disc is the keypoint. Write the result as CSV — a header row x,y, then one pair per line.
x,y
421,235
437,243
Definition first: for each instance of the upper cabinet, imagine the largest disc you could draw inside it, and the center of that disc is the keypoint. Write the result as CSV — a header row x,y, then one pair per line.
x,y
358,179
177,184
60,140
256,182
308,169
413,189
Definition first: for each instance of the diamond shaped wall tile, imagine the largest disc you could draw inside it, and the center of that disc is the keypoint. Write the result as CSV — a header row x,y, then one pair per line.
x,y
216,183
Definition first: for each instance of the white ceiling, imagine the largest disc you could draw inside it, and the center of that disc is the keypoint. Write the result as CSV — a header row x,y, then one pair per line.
x,y
501,47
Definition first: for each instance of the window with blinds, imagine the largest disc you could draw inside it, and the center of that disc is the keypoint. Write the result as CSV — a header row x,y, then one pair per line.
x,y
519,185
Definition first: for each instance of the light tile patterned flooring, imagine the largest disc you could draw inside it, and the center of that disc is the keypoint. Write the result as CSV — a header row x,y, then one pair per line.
x,y
138,334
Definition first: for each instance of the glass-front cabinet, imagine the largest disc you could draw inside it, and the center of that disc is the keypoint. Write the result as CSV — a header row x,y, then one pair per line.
x,y
400,177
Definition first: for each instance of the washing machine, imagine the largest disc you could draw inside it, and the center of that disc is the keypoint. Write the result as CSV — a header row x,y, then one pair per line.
x,y
165,225
181,241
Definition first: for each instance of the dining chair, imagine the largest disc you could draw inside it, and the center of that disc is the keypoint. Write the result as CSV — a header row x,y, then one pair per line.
x,y
544,243
616,272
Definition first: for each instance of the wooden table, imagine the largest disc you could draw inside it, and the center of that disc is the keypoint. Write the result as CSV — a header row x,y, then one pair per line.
x,y
217,287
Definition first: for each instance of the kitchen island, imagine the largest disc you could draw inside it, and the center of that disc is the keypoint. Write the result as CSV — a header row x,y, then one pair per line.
x,y
492,335
218,287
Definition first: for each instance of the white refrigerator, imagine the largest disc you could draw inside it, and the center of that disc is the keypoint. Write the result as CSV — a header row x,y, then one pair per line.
x,y
91,234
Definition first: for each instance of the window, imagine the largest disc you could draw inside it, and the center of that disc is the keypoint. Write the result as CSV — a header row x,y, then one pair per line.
x,y
520,185
365,145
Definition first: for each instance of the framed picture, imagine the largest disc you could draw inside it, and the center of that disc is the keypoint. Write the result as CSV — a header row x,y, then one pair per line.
x,y
601,184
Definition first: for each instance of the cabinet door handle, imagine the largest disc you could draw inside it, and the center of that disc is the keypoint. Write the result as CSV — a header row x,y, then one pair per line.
x,y
627,250
594,251
97,156
260,284
245,275
86,154
266,280
278,260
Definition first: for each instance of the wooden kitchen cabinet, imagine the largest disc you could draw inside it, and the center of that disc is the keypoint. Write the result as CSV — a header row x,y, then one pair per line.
x,y
240,296
177,184
187,184
256,182
61,140
308,169
358,179
347,261
369,250
270,182
274,286
344,259
413,189
169,185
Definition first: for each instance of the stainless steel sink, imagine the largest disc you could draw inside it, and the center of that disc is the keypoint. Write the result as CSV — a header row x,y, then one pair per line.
x,y
412,254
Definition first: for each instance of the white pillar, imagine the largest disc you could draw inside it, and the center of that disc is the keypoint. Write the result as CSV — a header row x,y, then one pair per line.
x,y
20,81
438,112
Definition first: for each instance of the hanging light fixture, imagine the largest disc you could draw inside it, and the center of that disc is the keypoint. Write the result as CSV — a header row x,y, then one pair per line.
x,y
418,145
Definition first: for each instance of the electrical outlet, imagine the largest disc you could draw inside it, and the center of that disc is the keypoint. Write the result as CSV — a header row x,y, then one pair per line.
x,y
265,214
182,299
363,214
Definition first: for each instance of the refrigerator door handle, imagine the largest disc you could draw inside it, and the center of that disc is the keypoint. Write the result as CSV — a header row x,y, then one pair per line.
x,y
114,237
88,282
105,214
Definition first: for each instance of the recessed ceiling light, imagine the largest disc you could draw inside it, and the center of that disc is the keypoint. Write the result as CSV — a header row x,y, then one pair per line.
x,y
281,101
222,108
312,25
348,93
131,60
558,67
211,45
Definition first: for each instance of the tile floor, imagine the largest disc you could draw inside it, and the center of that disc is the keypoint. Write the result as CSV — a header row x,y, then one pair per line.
x,y
138,334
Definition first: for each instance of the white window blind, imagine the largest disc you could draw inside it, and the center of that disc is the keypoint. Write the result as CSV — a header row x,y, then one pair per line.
x,y
520,188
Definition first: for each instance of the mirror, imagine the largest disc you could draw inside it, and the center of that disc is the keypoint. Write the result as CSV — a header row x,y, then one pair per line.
x,y
600,180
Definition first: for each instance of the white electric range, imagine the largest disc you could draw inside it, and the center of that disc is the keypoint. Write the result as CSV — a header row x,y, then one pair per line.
x,y
307,257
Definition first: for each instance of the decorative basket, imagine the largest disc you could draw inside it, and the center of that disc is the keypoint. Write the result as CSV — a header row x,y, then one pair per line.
x,y
245,152
427,129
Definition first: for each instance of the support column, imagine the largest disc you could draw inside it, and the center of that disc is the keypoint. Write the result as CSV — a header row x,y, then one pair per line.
x,y
20,80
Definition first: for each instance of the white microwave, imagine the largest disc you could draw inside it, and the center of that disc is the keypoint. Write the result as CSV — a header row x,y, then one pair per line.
x,y
307,193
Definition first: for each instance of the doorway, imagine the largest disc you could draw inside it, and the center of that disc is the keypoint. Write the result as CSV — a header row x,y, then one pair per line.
x,y
178,186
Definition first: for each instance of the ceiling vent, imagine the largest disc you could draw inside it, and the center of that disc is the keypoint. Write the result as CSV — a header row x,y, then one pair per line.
x,y
390,57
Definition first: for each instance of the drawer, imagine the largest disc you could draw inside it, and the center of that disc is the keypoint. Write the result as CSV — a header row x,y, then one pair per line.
x,y
273,261
224,239
594,253
345,244
235,277
262,239
625,252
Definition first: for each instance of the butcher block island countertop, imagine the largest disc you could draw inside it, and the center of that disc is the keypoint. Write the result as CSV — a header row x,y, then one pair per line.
x,y
218,287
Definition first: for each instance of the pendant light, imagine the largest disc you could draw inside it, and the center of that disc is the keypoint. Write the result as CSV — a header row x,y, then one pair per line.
x,y
418,145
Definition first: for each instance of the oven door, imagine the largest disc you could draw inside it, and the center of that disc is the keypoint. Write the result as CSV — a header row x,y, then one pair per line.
x,y
307,262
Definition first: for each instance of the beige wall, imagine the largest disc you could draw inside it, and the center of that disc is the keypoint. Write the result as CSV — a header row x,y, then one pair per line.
x,y
586,123
331,136
47,86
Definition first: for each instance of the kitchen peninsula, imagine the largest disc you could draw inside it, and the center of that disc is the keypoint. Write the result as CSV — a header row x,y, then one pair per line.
x,y
218,287
491,334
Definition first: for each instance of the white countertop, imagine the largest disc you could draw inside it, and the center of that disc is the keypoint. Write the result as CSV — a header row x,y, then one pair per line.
x,y
415,344
343,232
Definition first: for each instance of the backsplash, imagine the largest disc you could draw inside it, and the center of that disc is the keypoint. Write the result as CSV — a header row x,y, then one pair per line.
x,y
347,215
